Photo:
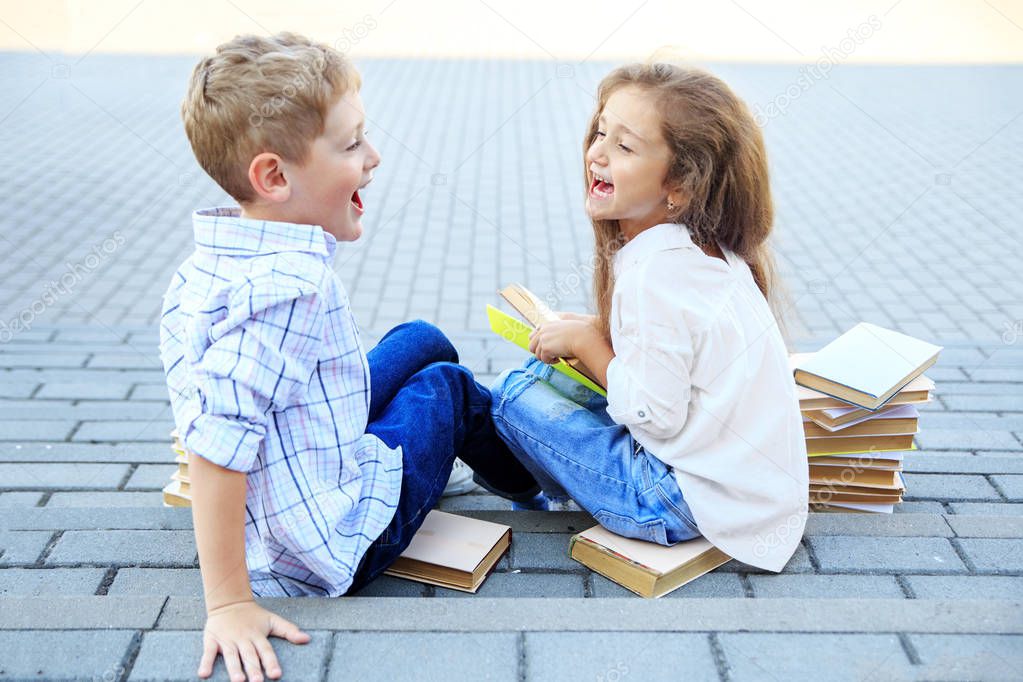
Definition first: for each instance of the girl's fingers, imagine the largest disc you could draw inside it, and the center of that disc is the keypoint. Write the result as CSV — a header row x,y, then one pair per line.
x,y
268,658
250,659
209,656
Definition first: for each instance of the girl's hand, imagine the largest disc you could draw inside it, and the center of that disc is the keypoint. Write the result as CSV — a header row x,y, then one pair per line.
x,y
582,317
240,633
553,340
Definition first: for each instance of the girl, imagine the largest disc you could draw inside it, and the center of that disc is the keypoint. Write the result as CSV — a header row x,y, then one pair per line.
x,y
700,432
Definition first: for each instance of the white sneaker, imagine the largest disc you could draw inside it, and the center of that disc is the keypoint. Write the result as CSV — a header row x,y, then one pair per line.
x,y
460,482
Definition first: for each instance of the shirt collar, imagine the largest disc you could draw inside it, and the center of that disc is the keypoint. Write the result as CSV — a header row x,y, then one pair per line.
x,y
663,237
223,231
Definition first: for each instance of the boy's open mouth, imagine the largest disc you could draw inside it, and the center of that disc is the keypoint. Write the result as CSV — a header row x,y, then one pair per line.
x,y
357,202
601,188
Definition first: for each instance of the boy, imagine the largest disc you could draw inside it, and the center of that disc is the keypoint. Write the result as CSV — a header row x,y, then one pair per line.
x,y
304,482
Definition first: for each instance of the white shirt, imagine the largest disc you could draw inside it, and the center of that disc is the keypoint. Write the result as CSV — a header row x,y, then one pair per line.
x,y
701,379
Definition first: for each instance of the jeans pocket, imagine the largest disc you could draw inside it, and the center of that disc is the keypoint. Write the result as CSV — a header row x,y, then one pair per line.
x,y
653,530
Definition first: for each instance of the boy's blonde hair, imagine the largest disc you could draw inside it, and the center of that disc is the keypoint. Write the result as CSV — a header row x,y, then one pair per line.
x,y
261,94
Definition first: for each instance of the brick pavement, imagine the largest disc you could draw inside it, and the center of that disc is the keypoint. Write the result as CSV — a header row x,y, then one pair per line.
x,y
897,202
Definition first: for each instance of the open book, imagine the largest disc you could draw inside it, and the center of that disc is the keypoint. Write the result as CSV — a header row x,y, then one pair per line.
x,y
536,312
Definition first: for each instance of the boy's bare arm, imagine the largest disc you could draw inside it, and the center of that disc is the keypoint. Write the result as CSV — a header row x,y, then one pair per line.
x,y
236,626
218,515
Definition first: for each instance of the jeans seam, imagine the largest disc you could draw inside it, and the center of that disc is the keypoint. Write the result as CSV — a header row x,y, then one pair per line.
x,y
675,509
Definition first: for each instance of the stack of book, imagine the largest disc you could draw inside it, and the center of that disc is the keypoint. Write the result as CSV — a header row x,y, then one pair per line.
x,y
859,396
177,493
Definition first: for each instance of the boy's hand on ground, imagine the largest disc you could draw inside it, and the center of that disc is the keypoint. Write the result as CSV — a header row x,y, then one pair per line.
x,y
240,632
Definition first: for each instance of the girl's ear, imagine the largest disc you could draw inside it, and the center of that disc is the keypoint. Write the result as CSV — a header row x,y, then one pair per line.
x,y
676,199
266,175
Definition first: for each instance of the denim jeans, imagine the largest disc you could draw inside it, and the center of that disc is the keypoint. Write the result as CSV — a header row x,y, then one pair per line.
x,y
422,400
561,432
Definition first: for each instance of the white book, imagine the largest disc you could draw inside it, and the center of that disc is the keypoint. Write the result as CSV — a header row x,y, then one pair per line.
x,y
867,365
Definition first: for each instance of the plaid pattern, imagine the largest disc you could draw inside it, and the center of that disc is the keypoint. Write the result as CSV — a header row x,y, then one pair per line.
x,y
267,375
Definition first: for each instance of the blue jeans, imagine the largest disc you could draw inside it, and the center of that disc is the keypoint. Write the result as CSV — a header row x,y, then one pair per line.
x,y
422,400
561,432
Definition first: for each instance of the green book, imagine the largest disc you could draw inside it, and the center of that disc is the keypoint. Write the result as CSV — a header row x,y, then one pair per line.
x,y
517,332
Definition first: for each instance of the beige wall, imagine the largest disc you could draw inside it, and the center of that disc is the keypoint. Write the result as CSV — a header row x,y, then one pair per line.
x,y
767,30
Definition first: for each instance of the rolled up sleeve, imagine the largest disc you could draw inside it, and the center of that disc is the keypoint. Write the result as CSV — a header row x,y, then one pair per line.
x,y
648,381
252,360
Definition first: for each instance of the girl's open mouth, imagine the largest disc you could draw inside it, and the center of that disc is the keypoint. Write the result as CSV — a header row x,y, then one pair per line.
x,y
357,203
601,189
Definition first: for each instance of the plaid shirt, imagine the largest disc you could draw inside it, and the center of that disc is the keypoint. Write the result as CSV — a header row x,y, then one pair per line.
x,y
267,376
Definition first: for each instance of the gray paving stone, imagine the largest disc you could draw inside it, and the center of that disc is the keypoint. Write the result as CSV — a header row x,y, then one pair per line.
x,y
966,587
1010,486
125,360
986,526
49,359
711,585
988,508
518,584
885,555
92,518
64,475
185,582
370,656
474,502
969,657
80,612
919,507
85,452
993,555
17,390
751,656
93,410
106,499
151,476
919,525
20,499
150,392
798,563
90,390
389,586
125,431
47,581
124,548
986,403
64,655
22,547
961,439
964,463
36,429
618,656
949,487
542,551
826,586
175,656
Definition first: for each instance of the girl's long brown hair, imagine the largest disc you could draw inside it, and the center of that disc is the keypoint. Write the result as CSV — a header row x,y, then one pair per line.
x,y
718,161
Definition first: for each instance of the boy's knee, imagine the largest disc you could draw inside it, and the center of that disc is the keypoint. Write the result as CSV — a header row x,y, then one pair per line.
x,y
429,336
450,373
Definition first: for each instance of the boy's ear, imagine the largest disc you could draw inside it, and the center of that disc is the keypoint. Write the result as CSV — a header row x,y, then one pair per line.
x,y
266,175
